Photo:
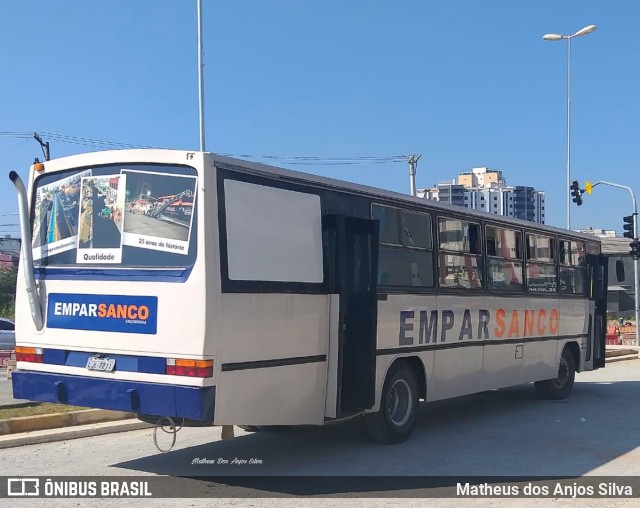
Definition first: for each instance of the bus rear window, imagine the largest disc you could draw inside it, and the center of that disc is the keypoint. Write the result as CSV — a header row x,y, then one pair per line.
x,y
131,215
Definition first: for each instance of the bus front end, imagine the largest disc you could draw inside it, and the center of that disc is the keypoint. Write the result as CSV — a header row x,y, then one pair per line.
x,y
111,300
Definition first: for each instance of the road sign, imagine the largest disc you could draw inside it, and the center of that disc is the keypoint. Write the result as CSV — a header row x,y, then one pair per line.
x,y
588,187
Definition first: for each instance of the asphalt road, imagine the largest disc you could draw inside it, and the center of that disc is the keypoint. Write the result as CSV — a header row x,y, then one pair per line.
x,y
105,234
140,224
507,432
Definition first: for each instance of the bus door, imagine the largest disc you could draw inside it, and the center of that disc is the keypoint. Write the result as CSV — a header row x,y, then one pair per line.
x,y
356,283
597,266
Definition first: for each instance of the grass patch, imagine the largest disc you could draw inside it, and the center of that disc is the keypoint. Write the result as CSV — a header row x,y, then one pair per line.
x,y
41,409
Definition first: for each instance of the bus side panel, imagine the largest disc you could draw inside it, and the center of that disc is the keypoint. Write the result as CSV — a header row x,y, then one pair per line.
x,y
541,355
458,370
284,395
502,358
275,349
574,324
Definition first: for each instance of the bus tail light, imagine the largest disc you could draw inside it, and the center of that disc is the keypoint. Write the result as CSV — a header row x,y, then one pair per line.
x,y
29,354
190,368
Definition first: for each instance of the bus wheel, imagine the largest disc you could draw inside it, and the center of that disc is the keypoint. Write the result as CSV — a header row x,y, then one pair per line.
x,y
398,407
560,387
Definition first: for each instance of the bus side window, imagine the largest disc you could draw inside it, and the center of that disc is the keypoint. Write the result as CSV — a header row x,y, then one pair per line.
x,y
406,248
541,265
503,259
573,274
460,265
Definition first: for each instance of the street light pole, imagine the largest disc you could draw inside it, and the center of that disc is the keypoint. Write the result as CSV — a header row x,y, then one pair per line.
x,y
555,37
200,77
568,131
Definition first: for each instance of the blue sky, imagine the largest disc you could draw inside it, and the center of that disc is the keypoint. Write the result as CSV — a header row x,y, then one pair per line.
x,y
464,83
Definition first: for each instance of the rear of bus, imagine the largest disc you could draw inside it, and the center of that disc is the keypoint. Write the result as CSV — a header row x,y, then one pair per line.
x,y
118,260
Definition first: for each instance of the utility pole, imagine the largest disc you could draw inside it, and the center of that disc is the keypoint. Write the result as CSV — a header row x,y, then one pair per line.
x,y
413,163
43,145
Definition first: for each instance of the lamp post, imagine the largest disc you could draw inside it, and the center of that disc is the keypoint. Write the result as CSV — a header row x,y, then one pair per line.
x,y
555,37
200,77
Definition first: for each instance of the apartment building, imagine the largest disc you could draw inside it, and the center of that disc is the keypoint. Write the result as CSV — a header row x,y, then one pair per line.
x,y
486,190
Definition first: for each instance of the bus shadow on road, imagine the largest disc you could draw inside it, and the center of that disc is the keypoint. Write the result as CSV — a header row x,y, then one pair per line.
x,y
496,434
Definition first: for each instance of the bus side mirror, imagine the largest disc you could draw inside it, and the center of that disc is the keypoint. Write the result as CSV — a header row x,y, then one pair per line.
x,y
619,270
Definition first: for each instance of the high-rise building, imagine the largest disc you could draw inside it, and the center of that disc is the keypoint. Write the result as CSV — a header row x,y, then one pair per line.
x,y
486,190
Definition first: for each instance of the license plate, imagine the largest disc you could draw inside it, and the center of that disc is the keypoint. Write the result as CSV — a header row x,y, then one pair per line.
x,y
101,364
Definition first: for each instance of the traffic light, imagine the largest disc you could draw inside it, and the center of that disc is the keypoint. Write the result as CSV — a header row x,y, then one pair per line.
x,y
635,249
628,226
576,192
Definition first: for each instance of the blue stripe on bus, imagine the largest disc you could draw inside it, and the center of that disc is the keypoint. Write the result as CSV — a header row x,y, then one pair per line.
x,y
179,275
156,399
125,363
54,356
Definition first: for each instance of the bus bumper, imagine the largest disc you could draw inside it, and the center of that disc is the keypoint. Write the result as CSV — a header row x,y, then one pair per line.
x,y
195,403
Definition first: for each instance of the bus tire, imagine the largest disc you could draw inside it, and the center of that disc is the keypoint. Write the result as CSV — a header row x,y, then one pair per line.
x,y
560,387
398,413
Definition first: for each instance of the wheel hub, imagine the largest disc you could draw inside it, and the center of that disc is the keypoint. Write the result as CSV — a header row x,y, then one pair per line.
x,y
399,403
563,374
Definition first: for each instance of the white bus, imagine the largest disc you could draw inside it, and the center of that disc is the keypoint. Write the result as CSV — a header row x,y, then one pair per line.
x,y
284,298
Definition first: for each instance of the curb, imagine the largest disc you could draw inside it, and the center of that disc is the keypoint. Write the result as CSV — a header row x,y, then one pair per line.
x,y
621,353
612,353
56,420
622,358
63,434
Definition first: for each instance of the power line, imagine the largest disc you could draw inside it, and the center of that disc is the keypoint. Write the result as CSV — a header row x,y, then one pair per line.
x,y
63,138
288,159
311,161
11,134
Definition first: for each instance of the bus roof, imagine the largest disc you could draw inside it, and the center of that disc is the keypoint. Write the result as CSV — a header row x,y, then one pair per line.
x,y
152,155
373,192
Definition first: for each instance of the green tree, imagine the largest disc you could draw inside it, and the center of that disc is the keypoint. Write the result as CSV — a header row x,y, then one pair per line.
x,y
8,277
